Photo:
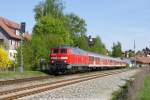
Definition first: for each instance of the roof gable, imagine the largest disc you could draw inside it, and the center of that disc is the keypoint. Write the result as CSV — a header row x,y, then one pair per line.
x,y
10,27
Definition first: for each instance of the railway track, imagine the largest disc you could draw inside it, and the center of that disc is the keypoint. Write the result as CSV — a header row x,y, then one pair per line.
x,y
25,91
16,81
22,80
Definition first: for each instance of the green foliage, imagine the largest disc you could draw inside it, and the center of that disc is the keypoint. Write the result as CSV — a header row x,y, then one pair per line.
x,y
5,62
144,92
49,8
49,25
117,50
53,28
4,45
98,47
131,53
77,27
83,43
37,48
76,24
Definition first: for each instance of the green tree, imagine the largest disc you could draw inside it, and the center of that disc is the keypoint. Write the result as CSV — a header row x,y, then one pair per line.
x,y
50,30
49,8
131,53
49,25
98,47
83,43
53,28
77,27
117,50
37,48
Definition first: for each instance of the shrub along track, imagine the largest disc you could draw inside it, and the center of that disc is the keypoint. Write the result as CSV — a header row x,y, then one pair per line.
x,y
25,91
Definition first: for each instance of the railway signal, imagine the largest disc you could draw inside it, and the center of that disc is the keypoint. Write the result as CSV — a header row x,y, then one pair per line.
x,y
23,26
91,41
22,31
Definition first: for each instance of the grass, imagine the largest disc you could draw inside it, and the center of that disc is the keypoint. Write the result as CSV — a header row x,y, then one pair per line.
x,y
133,89
116,94
121,93
145,91
10,74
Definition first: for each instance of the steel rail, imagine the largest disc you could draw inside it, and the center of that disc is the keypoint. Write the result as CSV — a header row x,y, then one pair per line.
x,y
16,81
5,95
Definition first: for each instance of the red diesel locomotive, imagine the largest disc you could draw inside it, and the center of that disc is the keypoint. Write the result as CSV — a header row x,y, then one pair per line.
x,y
67,58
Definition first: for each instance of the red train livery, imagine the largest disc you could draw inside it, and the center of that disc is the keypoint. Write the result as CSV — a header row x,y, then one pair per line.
x,y
67,58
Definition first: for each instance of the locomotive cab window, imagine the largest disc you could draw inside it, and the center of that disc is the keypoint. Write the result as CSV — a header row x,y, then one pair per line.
x,y
55,51
63,51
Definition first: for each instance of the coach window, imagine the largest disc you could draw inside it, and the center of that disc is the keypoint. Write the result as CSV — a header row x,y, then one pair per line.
x,y
63,51
91,58
97,59
55,50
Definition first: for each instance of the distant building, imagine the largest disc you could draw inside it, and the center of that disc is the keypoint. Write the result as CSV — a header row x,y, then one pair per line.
x,y
142,61
10,36
129,54
144,53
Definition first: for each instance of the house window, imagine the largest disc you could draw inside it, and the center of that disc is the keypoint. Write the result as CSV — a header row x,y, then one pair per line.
x,y
17,32
16,43
11,42
14,55
1,41
10,54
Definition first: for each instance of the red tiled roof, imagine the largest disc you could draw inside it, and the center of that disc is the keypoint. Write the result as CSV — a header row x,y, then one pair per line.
x,y
144,60
9,27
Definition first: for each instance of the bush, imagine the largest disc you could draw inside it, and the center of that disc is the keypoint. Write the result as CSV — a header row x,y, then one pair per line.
x,y
5,62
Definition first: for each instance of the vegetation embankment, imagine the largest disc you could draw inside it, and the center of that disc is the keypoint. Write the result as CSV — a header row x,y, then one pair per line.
x,y
131,90
144,93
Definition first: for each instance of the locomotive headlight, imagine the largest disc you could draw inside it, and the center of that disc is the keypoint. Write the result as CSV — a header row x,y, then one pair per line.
x,y
53,57
64,58
52,61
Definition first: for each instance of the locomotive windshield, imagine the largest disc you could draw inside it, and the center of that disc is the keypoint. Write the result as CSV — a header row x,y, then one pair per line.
x,y
63,51
55,51
59,51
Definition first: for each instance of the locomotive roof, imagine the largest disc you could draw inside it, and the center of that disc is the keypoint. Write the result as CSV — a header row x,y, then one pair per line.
x,y
76,50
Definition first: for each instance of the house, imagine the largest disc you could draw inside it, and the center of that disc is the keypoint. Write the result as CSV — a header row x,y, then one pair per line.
x,y
142,61
10,36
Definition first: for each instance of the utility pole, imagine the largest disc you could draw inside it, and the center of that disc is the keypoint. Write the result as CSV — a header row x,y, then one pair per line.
x,y
22,31
21,54
134,54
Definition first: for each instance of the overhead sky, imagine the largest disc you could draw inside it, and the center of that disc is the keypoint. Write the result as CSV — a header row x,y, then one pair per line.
x,y
112,20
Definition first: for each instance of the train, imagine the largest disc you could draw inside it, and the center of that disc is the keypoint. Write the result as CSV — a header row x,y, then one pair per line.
x,y
72,59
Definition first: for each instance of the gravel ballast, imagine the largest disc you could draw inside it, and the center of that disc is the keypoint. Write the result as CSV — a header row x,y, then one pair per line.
x,y
49,80
96,89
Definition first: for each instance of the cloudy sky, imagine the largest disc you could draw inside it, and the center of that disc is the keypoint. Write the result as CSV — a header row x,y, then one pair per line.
x,y
112,20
